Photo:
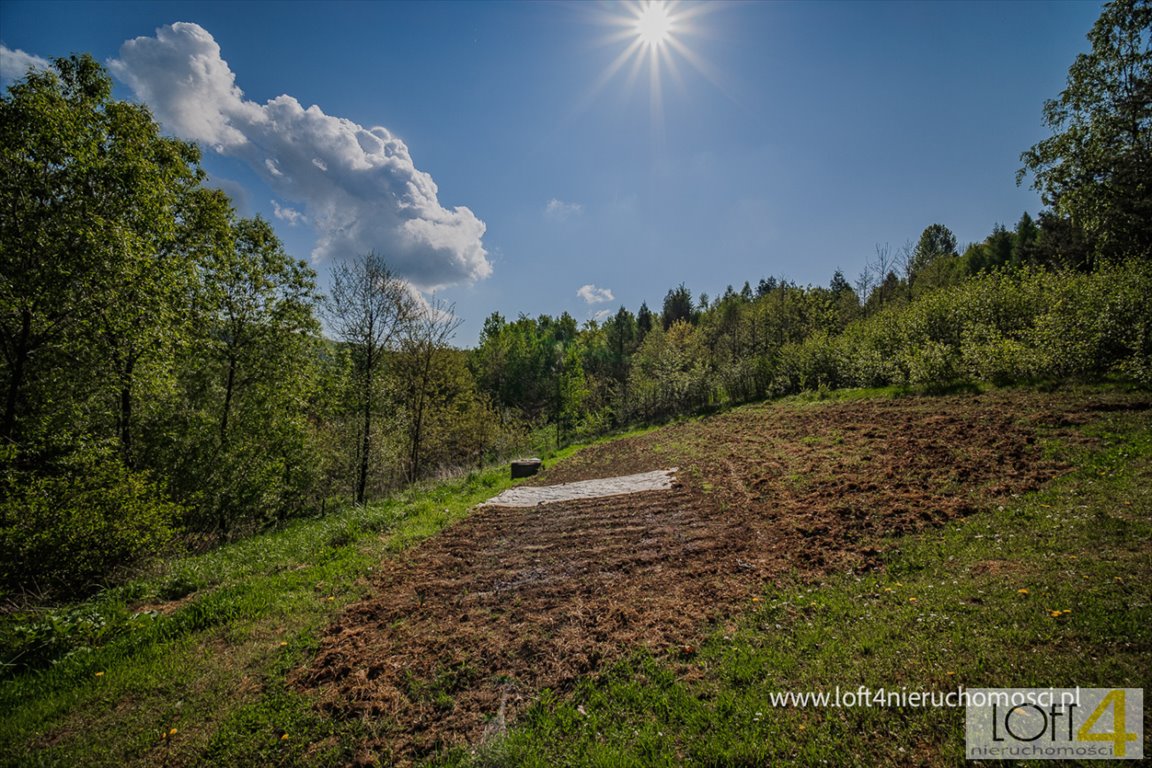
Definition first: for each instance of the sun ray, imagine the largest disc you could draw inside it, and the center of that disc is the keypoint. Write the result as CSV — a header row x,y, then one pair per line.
x,y
656,36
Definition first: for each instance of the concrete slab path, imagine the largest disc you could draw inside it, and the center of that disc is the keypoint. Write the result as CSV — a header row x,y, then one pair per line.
x,y
531,496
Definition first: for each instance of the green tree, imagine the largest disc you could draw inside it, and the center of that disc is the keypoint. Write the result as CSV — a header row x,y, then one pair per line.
x,y
936,242
1060,243
258,344
844,298
1024,243
678,307
644,322
431,329
95,287
1096,168
623,336
889,291
90,271
997,250
262,298
490,360
765,286
457,424
669,372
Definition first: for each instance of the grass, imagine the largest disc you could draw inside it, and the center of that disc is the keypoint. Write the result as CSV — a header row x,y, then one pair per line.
x,y
191,666
969,605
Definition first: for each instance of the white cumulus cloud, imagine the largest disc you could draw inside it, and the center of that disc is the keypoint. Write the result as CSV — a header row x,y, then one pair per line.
x,y
15,63
593,295
558,210
358,186
284,213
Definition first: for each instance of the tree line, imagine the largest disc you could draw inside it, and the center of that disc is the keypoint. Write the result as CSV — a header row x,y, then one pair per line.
x,y
168,382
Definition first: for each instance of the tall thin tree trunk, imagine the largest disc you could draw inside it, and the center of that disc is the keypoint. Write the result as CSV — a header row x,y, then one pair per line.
x,y
558,428
229,391
362,473
16,377
126,380
418,420
124,415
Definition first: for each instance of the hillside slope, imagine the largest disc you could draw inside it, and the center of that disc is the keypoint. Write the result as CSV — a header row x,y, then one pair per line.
x,y
463,632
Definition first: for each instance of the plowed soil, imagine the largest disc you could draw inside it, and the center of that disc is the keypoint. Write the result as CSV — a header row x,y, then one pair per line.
x,y
462,631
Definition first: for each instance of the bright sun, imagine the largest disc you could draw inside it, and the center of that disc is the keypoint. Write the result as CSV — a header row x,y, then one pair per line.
x,y
655,38
654,24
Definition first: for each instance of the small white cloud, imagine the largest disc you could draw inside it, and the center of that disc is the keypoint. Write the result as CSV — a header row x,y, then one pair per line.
x,y
558,210
593,295
603,314
284,213
15,63
357,185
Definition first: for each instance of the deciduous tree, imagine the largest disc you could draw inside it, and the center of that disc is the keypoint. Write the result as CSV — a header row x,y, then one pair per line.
x,y
90,269
1096,168
369,309
431,328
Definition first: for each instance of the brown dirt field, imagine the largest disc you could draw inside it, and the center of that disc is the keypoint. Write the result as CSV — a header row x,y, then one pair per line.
x,y
463,630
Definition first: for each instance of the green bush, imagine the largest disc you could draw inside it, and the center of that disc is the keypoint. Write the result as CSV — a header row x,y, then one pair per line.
x,y
988,355
1002,327
75,526
932,364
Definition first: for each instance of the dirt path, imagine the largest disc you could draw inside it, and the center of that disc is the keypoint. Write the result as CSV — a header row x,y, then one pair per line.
x,y
474,622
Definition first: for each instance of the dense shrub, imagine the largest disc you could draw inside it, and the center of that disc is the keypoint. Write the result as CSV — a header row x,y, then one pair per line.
x,y
1003,327
70,528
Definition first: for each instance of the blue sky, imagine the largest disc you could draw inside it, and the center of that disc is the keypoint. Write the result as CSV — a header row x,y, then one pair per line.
x,y
513,171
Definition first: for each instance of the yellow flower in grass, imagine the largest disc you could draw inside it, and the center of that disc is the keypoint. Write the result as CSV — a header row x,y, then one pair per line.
x,y
911,599
1058,613
99,674
1023,591
283,737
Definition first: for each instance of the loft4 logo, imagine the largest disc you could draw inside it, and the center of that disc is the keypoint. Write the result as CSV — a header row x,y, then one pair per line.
x,y
1031,722
1115,702
1054,723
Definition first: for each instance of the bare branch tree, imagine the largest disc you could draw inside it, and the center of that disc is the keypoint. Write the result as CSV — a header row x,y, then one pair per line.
x,y
865,283
370,309
906,263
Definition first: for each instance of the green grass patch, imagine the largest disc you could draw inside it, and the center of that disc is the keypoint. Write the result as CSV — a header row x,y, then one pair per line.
x,y
1049,589
189,665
